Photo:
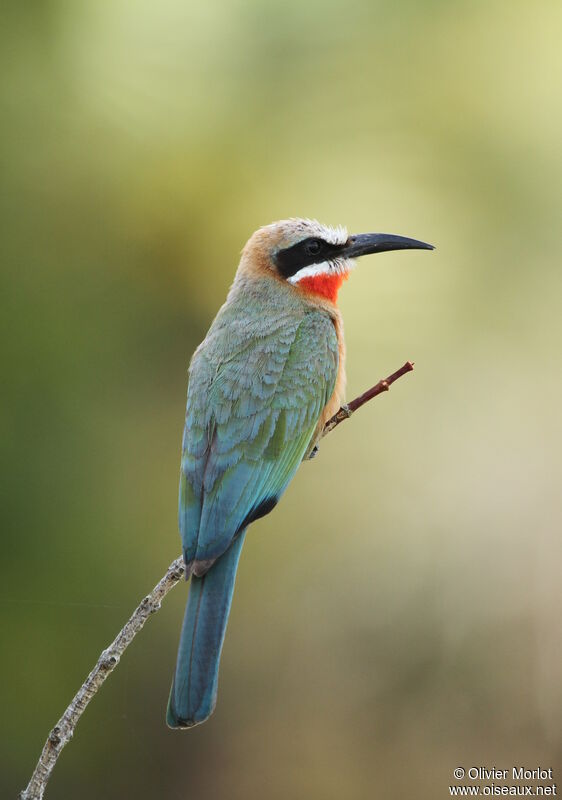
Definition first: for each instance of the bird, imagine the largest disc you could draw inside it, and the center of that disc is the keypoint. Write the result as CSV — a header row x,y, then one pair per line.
x,y
262,384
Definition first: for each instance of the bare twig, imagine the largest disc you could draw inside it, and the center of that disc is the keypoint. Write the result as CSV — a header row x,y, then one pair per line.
x,y
382,386
108,660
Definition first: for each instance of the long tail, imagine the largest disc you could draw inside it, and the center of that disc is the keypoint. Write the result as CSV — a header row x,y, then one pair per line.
x,y
194,688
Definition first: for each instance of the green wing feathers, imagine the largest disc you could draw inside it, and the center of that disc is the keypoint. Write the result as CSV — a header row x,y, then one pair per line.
x,y
256,392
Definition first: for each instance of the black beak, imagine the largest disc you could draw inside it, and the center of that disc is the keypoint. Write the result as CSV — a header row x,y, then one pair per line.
x,y
361,244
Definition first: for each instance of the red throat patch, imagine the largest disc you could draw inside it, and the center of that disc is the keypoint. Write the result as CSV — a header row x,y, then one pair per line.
x,y
326,286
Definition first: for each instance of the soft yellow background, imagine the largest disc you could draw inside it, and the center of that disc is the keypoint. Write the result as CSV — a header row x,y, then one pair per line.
x,y
398,615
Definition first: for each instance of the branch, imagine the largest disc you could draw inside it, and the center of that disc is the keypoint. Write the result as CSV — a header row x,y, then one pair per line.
x,y
382,386
64,729
108,660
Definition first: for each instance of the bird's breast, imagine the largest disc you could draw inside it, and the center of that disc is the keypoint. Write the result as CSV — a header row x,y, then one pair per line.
x,y
338,395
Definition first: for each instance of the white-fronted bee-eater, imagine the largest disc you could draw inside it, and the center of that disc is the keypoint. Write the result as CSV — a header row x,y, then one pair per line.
x,y
262,384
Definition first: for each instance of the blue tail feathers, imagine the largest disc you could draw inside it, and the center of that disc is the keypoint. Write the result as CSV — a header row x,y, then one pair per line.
x,y
194,688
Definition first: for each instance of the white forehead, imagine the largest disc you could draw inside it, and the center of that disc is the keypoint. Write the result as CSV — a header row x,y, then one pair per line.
x,y
295,230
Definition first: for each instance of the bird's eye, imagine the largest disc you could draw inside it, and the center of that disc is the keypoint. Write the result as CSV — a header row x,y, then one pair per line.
x,y
313,247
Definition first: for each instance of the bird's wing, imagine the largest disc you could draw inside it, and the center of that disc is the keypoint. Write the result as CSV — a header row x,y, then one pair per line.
x,y
250,419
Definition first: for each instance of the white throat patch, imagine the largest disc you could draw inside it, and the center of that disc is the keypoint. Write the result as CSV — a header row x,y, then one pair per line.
x,y
337,267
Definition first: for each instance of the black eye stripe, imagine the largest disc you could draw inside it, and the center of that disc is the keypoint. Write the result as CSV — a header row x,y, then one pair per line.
x,y
310,251
314,246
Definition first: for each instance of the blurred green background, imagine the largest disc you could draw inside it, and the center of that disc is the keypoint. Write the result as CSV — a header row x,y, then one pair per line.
x,y
398,615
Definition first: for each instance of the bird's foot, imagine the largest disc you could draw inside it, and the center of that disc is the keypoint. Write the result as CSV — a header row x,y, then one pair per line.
x,y
313,453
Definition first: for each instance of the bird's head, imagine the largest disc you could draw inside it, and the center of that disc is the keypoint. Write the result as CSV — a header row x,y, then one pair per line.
x,y
315,258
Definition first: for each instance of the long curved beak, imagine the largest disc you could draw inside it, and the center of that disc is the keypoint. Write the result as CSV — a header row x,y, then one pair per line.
x,y
361,244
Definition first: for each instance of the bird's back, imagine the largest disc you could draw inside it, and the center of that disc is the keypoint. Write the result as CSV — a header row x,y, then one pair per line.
x,y
258,385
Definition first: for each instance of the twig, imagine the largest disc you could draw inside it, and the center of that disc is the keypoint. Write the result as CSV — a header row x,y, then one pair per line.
x,y
382,386
108,660
64,729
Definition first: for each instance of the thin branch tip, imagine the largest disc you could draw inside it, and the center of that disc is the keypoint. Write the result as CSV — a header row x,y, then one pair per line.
x,y
380,387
